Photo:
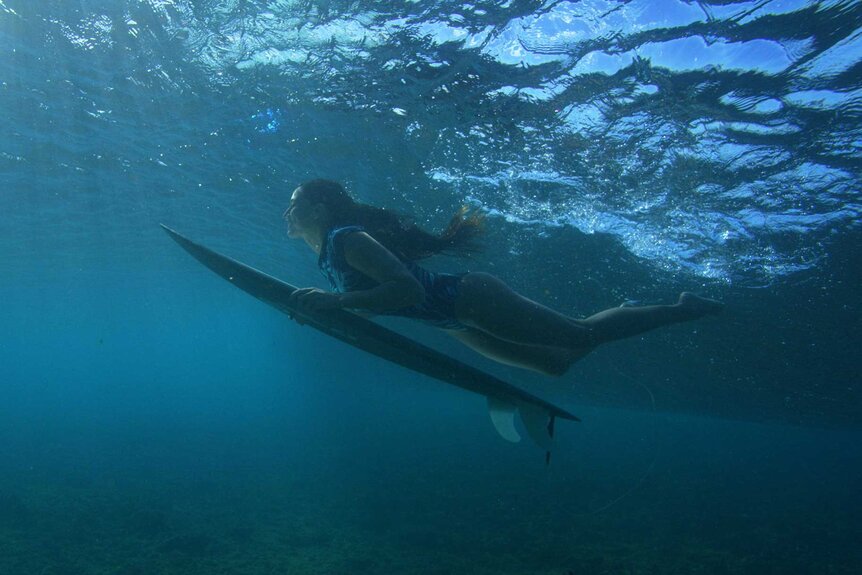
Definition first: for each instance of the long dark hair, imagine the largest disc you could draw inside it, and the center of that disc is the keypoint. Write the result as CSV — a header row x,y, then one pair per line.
x,y
396,231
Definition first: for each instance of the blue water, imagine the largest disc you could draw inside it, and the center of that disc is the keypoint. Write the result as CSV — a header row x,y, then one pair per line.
x,y
154,419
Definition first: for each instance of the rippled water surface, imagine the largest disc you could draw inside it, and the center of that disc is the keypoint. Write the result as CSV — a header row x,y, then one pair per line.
x,y
720,139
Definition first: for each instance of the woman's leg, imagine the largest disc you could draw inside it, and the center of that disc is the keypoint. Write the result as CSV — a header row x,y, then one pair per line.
x,y
622,322
489,305
553,361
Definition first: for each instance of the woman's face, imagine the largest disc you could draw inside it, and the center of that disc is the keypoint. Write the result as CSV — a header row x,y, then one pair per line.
x,y
301,214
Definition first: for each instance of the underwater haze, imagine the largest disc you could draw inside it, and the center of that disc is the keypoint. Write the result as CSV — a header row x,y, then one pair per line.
x,y
156,420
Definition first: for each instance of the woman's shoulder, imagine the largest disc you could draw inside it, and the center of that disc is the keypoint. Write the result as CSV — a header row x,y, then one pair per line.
x,y
356,243
338,236
342,231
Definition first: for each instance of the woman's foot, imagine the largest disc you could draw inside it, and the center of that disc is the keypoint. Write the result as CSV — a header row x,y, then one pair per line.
x,y
697,306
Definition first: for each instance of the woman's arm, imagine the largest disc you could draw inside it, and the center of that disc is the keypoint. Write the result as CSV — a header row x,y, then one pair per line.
x,y
396,289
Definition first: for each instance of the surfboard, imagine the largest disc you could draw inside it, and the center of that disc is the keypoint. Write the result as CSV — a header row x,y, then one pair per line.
x,y
504,399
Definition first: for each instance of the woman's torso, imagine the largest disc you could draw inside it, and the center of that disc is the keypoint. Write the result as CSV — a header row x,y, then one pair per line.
x,y
441,290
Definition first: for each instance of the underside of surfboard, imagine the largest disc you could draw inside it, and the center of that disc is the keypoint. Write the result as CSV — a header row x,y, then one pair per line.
x,y
504,399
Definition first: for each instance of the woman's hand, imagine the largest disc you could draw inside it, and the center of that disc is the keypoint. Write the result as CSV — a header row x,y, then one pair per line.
x,y
310,300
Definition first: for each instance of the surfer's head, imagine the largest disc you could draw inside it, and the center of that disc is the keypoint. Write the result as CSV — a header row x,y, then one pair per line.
x,y
315,206
330,195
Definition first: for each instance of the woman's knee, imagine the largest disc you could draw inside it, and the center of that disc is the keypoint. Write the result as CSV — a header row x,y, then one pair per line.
x,y
547,361
554,368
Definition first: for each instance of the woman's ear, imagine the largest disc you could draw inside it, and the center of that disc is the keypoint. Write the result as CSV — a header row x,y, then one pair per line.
x,y
321,214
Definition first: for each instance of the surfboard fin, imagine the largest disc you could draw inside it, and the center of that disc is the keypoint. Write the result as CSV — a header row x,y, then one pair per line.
x,y
538,422
540,427
503,417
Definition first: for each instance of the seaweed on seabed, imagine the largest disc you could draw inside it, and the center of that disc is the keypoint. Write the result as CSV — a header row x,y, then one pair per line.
x,y
14,511
194,544
147,522
588,563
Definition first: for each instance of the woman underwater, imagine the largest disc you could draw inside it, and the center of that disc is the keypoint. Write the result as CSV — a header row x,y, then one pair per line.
x,y
369,254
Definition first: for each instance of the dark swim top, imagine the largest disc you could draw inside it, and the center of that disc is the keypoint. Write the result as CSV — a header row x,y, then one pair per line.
x,y
441,290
